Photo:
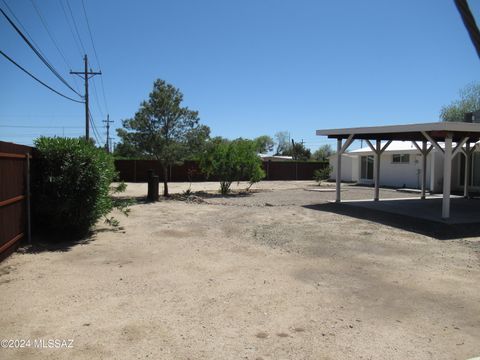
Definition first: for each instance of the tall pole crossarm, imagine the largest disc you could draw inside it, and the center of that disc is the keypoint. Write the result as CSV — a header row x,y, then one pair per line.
x,y
86,75
107,143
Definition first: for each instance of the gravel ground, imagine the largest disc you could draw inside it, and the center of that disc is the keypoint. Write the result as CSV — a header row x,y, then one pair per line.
x,y
270,275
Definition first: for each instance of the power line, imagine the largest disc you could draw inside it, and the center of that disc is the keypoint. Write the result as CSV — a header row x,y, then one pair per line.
x,y
52,69
37,79
70,27
95,131
90,33
21,25
96,97
50,35
75,26
41,127
96,55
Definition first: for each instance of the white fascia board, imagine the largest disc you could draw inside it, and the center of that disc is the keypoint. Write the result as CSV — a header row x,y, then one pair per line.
x,y
392,129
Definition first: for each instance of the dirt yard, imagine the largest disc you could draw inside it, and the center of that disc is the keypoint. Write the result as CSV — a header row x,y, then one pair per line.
x,y
271,275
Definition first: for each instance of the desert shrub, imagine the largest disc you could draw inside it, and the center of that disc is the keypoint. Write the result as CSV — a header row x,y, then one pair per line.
x,y
231,161
71,186
322,174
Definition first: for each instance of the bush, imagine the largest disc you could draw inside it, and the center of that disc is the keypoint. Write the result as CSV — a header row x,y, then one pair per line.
x,y
322,174
71,186
231,161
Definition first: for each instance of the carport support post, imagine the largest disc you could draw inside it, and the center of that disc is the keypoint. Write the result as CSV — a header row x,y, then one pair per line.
x,y
338,176
378,154
466,180
447,176
424,167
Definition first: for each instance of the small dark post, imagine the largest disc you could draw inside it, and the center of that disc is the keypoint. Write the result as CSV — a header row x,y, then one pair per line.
x,y
155,181
150,184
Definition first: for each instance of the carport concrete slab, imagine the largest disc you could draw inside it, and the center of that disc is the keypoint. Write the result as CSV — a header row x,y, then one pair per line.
x,y
462,211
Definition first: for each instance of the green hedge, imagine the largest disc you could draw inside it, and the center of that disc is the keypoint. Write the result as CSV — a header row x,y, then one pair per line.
x,y
70,186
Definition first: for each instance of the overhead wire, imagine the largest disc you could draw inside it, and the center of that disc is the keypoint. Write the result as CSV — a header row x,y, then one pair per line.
x,y
96,54
70,28
37,79
55,43
97,135
75,27
37,52
96,98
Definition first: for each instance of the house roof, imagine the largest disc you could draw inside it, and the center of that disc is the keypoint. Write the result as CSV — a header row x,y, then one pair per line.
x,y
436,130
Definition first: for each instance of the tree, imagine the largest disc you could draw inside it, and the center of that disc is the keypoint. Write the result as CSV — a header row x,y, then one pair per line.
x,y
297,151
126,148
469,101
164,130
231,161
323,153
264,144
300,152
283,142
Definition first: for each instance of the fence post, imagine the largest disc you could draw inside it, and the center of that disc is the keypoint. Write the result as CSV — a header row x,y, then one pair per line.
x,y
134,170
29,220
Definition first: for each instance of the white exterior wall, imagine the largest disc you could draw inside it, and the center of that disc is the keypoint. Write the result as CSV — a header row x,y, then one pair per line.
x,y
391,174
400,175
349,167
436,170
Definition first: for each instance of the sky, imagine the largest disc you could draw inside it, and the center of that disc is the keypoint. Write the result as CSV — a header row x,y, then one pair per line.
x,y
250,67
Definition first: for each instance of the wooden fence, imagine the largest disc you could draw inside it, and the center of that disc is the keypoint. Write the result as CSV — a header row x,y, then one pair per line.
x,y
14,197
136,170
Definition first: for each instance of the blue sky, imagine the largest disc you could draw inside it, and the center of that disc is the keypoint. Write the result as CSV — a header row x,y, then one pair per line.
x,y
249,67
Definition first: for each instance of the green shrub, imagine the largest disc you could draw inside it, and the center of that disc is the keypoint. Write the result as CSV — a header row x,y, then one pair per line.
x,y
231,161
71,186
322,174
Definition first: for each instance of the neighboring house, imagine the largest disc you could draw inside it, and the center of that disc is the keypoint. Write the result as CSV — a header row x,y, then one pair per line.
x,y
401,166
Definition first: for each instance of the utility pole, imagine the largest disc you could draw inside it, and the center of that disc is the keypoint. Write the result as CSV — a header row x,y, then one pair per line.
x,y
108,121
86,75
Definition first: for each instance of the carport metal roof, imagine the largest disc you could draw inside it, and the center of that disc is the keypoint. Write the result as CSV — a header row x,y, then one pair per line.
x,y
429,134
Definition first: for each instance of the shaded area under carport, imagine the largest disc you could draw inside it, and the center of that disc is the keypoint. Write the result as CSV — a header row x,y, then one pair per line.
x,y
414,215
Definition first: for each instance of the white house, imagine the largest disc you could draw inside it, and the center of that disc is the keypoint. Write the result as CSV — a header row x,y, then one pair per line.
x,y
401,166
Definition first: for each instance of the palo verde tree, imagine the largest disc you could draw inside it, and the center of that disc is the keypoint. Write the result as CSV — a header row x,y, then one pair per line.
x,y
163,129
232,161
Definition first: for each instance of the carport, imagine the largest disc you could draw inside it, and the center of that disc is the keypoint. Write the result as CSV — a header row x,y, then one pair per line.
x,y
456,137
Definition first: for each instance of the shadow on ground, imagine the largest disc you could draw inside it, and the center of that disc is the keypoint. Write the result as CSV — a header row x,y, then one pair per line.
x,y
437,230
42,244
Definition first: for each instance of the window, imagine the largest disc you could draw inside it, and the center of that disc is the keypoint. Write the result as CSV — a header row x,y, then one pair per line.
x,y
366,165
400,158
